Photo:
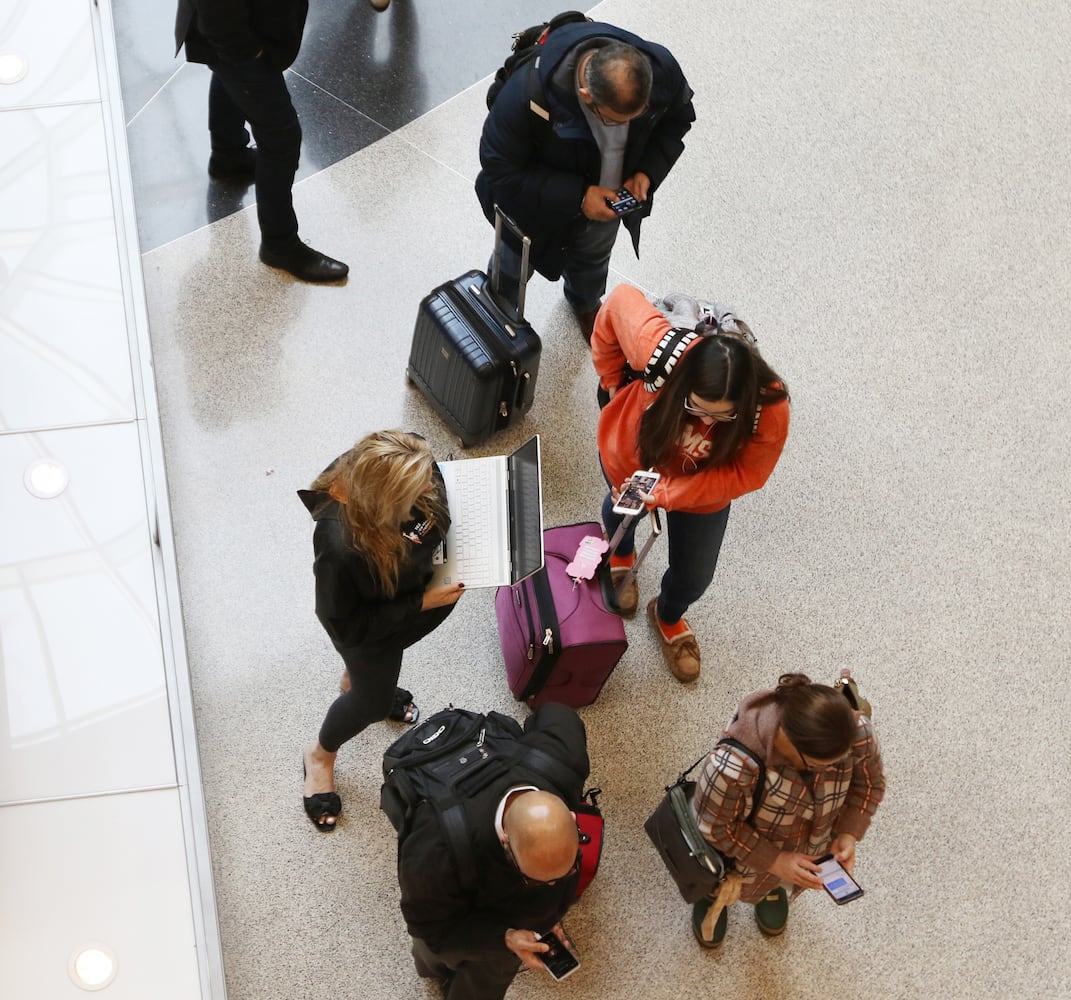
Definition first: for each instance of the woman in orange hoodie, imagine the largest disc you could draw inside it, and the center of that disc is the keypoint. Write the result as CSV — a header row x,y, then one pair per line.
x,y
703,409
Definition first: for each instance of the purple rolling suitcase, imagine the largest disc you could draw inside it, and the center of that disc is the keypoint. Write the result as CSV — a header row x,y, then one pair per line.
x,y
561,640
473,356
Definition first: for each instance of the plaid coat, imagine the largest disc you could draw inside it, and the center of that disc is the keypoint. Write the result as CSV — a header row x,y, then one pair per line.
x,y
798,811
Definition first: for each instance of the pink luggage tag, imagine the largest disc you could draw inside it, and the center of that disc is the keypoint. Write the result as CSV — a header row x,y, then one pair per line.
x,y
588,556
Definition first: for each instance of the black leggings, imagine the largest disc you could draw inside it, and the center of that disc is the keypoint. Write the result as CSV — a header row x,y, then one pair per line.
x,y
373,671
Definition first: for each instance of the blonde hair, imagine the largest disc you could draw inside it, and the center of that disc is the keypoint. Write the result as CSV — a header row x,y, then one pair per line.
x,y
383,476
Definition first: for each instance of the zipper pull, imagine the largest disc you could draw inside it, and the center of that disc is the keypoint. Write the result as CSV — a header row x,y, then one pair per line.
x,y
483,733
531,650
517,597
548,641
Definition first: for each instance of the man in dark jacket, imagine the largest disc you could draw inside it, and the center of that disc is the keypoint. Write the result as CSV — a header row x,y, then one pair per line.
x,y
247,44
600,110
525,839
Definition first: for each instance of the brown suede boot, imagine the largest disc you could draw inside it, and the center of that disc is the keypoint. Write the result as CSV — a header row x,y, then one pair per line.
x,y
681,652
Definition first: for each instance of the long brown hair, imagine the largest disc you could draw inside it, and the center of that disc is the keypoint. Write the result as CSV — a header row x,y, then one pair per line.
x,y
721,366
384,476
816,718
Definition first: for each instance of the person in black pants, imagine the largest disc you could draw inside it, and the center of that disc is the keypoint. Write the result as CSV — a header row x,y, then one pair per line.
x,y
380,512
247,44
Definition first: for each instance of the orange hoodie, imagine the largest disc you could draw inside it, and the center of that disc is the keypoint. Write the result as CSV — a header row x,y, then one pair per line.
x,y
627,329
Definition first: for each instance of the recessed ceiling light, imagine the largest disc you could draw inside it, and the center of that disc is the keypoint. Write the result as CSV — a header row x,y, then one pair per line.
x,y
46,479
12,67
93,967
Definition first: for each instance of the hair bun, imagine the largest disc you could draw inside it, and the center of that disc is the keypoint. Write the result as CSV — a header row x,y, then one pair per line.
x,y
792,681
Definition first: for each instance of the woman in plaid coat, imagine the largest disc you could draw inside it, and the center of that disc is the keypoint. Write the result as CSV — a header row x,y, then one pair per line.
x,y
823,783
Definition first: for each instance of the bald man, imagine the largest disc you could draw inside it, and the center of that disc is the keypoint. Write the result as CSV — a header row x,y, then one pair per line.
x,y
523,831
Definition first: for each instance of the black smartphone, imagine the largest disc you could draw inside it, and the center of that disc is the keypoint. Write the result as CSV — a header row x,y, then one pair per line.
x,y
838,883
624,202
559,961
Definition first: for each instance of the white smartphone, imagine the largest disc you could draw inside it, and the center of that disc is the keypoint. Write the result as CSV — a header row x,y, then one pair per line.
x,y
631,500
560,962
841,887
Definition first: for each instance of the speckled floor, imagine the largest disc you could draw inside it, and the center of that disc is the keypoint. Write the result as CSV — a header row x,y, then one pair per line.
x,y
882,193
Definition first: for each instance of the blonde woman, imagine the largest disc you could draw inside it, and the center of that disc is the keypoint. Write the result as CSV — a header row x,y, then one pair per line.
x,y
380,512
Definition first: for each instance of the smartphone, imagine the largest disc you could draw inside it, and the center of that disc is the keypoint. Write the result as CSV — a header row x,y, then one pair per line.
x,y
559,961
624,202
838,883
631,501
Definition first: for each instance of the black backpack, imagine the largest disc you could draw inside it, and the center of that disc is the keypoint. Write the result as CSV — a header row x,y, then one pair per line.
x,y
448,758
525,48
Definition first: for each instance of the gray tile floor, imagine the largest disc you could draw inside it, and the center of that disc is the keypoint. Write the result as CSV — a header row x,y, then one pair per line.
x,y
882,194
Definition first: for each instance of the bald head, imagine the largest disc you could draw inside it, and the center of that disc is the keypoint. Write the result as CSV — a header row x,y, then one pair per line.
x,y
542,835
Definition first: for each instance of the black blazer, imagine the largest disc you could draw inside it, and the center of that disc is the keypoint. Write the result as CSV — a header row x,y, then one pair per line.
x,y
234,31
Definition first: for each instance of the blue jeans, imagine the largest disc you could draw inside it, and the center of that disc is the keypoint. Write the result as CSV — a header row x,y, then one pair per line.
x,y
587,262
694,544
256,93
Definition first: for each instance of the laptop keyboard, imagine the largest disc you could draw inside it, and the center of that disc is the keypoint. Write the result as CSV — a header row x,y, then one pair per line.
x,y
473,532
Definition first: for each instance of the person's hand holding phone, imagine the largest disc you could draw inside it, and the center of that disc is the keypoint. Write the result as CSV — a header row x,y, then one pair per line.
x,y
560,959
442,595
595,207
526,946
843,849
638,185
635,493
798,869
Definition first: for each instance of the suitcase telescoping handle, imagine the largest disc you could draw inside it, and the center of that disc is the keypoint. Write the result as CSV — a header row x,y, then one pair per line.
x,y
656,530
503,220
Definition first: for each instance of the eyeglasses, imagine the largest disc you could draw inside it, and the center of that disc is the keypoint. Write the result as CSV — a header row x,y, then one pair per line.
x,y
696,411
613,122
810,764
529,881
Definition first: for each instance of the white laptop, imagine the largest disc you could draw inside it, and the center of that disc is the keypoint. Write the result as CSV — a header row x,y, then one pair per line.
x,y
496,519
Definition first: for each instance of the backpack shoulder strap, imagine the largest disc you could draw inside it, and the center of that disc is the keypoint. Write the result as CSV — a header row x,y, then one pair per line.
x,y
665,356
558,774
455,828
536,98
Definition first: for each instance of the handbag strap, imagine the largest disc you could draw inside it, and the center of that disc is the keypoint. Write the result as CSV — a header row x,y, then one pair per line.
x,y
760,785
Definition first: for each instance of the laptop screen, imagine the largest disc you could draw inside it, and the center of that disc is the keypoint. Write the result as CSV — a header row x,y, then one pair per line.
x,y
526,510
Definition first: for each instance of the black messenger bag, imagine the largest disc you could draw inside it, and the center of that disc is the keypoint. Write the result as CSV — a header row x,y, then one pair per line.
x,y
697,867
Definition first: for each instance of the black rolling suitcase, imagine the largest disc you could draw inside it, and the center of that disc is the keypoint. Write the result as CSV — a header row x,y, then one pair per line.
x,y
474,357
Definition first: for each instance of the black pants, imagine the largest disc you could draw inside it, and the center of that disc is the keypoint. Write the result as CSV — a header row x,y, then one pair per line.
x,y
467,975
256,93
373,671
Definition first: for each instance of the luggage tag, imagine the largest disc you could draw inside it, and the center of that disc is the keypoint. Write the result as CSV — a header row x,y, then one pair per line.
x,y
588,556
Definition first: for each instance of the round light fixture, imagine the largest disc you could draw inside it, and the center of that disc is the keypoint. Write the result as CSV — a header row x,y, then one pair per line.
x,y
93,967
12,67
46,479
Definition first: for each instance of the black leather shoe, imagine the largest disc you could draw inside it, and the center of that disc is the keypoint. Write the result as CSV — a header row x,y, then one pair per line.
x,y
239,165
303,262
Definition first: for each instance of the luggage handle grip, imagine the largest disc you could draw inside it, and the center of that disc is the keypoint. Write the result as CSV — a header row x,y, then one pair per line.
x,y
501,219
